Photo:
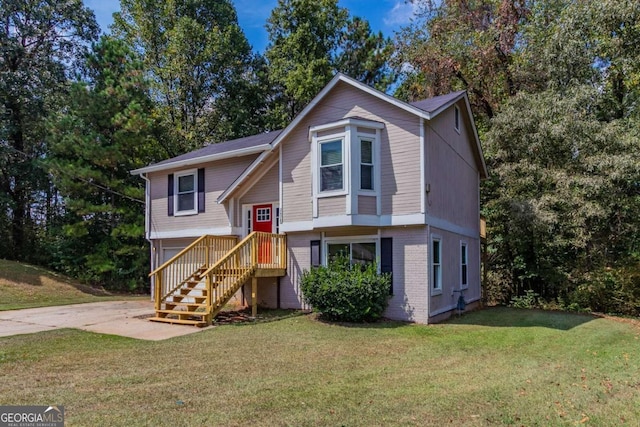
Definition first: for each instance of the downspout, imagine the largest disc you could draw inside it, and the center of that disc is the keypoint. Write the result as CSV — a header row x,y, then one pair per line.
x,y
147,231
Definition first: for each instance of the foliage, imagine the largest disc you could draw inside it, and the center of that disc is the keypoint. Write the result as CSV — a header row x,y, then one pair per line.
x,y
309,41
346,292
453,45
200,66
94,143
528,300
609,291
38,40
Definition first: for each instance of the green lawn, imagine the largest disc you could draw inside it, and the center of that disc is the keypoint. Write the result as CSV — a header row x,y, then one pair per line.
x,y
492,367
26,286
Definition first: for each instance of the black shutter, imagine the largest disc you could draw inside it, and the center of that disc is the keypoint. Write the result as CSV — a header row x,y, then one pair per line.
x,y
201,190
170,195
386,259
316,253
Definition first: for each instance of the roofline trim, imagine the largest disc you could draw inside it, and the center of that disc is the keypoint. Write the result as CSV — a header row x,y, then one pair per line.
x,y
198,160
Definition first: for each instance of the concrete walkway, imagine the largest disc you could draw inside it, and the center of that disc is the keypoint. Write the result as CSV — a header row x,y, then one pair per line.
x,y
108,317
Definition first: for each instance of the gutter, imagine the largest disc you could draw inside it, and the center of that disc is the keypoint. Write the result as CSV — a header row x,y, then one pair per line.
x,y
203,159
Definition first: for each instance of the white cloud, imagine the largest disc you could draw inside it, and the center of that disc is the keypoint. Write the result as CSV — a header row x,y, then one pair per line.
x,y
401,13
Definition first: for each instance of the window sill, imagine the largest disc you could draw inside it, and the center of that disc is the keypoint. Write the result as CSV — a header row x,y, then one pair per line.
x,y
332,193
185,213
436,292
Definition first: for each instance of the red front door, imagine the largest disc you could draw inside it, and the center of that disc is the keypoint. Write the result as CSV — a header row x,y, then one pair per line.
x,y
263,221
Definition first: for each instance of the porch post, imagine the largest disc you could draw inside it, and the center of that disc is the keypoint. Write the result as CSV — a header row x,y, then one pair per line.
x,y
254,296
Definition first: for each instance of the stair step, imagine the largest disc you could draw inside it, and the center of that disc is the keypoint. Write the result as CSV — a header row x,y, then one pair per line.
x,y
180,298
198,323
187,291
181,313
183,303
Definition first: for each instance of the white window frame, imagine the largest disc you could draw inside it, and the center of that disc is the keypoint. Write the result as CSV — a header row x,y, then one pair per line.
x,y
456,118
373,140
345,165
464,264
176,186
350,240
435,290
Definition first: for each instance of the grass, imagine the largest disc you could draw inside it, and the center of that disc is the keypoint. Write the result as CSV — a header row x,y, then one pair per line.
x,y
498,366
27,286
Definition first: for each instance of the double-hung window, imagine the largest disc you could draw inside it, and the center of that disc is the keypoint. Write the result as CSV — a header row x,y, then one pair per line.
x,y
366,164
186,193
436,265
331,165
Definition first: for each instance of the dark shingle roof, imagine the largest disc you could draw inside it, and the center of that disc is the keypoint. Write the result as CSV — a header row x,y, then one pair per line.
x,y
432,104
224,147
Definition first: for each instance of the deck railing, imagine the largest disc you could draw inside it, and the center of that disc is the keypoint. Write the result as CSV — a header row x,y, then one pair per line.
x,y
256,251
201,254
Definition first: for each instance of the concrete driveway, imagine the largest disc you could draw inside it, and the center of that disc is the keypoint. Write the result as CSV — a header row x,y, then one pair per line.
x,y
125,318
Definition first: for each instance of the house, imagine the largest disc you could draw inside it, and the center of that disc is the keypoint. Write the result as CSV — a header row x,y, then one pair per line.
x,y
357,171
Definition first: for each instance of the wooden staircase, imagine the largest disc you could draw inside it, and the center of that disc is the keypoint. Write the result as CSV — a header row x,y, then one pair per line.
x,y
192,287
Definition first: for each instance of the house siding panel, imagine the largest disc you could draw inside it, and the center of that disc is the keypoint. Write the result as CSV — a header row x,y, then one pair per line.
x,y
265,190
452,171
218,176
328,206
409,300
367,205
451,271
399,164
298,260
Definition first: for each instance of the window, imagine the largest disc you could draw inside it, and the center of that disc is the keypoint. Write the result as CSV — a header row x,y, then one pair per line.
x,y
463,265
358,253
366,164
249,222
331,167
436,265
186,193
456,118
263,214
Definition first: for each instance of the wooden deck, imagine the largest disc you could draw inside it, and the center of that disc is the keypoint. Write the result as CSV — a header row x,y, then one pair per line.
x,y
193,286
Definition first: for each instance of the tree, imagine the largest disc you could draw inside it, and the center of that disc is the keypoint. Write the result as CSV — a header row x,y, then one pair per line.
x,y
199,63
303,36
364,55
38,41
462,44
102,134
311,40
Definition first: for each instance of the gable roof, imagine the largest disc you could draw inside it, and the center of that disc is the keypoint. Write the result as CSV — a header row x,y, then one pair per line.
x,y
267,142
436,104
237,147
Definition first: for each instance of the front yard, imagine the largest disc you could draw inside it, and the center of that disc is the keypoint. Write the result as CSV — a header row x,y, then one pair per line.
x,y
493,367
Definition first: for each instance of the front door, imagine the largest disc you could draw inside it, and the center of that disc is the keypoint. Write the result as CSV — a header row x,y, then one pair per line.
x,y
263,221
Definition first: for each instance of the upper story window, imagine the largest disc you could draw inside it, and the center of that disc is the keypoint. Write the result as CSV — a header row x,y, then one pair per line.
x,y
456,118
366,164
331,165
186,193
344,155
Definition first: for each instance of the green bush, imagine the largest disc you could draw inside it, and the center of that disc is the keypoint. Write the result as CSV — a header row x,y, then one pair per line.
x,y
528,300
346,292
614,291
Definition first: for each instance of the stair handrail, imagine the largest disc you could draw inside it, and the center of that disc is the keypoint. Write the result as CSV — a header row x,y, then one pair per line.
x,y
242,266
203,249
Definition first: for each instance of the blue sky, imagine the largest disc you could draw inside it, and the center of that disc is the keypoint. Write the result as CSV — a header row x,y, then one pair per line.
x,y
387,16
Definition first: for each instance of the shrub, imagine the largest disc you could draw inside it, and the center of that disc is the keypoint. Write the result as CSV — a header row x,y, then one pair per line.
x,y
346,292
528,300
